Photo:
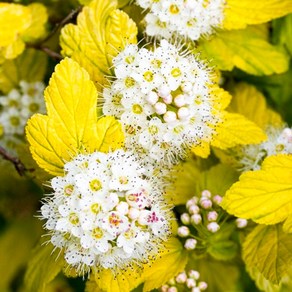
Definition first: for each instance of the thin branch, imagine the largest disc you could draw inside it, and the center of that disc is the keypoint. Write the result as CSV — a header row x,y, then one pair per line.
x,y
66,20
50,53
18,165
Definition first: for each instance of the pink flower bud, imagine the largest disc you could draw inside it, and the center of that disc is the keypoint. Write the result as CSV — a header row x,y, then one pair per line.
x,y
122,208
183,113
194,274
167,99
190,244
192,201
206,203
191,283
194,209
181,278
133,213
212,216
164,91
202,285
172,289
217,199
206,194
183,231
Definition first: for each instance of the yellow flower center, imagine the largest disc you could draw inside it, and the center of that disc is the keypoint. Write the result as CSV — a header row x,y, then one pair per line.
x,y
95,185
95,208
117,99
129,82
130,59
14,121
123,180
175,72
34,107
68,190
73,218
137,109
148,76
114,220
280,147
156,63
13,103
97,233
153,130
173,9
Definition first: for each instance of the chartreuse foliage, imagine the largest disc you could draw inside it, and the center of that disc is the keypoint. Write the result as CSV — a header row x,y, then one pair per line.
x,y
19,25
101,32
29,66
72,125
268,249
264,195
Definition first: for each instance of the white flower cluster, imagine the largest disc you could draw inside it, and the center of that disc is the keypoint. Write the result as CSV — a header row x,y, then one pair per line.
x,y
189,282
19,105
279,142
182,18
163,101
106,211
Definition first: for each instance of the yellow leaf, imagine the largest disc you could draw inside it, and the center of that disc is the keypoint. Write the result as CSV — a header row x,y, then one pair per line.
x,y
238,14
251,103
268,249
247,50
37,28
124,281
264,195
71,126
30,66
237,130
14,20
172,261
101,32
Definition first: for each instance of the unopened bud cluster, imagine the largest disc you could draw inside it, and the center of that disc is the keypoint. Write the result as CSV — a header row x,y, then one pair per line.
x,y
185,281
205,215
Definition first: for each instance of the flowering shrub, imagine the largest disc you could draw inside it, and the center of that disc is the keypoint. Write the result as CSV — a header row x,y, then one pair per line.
x,y
146,145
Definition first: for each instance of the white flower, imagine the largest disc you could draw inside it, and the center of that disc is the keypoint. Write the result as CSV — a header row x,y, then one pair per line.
x,y
19,105
165,103
279,142
182,18
107,211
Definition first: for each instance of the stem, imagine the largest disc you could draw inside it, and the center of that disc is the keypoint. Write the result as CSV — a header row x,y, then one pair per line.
x,y
18,165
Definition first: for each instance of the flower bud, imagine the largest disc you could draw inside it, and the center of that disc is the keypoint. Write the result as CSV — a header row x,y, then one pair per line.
x,y
133,213
194,274
160,108
192,201
190,244
206,194
212,216
187,86
196,219
196,289
164,91
217,199
191,283
240,222
172,289
194,209
203,285
185,218
152,97
122,208
164,288
183,231
167,99
181,278
213,227
179,100
205,203
169,117
183,113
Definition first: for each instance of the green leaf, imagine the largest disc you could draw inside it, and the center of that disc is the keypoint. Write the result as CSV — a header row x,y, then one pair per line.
x,y
220,276
30,66
269,249
43,267
246,50
264,195
16,243
282,32
172,261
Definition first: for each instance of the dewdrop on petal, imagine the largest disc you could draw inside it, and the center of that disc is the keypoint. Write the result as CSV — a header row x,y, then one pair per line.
x,y
94,212
165,101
